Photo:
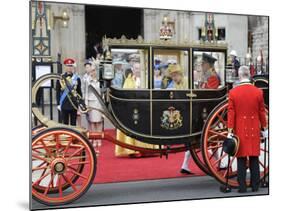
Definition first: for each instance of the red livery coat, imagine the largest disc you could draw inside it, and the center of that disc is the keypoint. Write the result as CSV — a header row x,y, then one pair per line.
x,y
246,115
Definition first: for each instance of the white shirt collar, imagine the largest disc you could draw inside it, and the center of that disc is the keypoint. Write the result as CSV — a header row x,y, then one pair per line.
x,y
245,80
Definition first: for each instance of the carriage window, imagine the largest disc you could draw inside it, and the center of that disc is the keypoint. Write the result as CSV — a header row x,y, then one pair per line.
x,y
208,70
131,68
170,69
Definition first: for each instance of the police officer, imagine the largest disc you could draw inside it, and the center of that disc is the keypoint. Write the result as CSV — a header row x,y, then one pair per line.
x,y
235,62
69,85
245,117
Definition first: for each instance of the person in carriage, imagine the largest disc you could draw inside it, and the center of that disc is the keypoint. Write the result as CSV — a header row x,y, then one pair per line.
x,y
211,79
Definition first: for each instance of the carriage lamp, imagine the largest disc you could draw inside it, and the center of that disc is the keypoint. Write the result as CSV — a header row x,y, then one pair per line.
x,y
64,18
106,67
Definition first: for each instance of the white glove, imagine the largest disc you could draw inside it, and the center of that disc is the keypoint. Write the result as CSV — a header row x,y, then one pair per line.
x,y
265,133
59,108
229,135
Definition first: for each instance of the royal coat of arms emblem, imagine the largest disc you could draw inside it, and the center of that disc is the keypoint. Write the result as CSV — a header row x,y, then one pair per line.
x,y
171,119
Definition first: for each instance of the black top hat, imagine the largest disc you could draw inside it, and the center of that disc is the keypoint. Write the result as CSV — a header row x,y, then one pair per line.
x,y
230,145
208,58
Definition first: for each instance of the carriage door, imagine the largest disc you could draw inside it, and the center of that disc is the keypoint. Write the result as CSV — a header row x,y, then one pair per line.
x,y
208,84
170,92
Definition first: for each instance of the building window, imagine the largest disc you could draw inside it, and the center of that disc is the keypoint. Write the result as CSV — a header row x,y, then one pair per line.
x,y
221,33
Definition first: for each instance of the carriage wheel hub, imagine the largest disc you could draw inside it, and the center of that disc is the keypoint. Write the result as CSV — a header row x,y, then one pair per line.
x,y
58,165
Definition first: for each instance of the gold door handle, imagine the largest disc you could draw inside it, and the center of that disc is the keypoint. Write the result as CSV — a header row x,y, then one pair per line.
x,y
191,95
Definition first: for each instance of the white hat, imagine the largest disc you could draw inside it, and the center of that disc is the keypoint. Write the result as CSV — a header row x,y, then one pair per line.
x,y
233,53
259,58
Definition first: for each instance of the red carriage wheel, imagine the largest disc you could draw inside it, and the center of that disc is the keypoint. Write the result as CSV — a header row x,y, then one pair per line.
x,y
213,135
197,156
63,166
65,185
37,129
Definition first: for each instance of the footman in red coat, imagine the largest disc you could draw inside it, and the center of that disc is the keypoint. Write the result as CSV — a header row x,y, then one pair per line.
x,y
246,117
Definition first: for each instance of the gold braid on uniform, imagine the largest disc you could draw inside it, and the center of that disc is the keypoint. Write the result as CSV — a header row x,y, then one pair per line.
x,y
73,93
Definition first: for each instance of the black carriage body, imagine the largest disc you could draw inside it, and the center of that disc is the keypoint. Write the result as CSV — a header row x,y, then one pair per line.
x,y
141,113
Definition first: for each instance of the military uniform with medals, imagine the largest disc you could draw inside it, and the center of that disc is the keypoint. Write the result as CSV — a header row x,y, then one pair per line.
x,y
67,103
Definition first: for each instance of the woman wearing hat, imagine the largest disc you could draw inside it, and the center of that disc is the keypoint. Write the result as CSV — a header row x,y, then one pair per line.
x,y
94,117
179,81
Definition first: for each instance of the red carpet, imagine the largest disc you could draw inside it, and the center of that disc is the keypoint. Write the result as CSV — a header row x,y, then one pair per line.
x,y
113,169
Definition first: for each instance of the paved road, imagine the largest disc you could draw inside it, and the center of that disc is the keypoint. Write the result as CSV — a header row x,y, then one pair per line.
x,y
152,191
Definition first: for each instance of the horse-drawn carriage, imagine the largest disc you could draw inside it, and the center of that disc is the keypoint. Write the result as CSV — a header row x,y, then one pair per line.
x,y
63,160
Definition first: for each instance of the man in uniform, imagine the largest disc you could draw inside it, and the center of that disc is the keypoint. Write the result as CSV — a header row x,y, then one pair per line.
x,y
70,82
245,119
210,76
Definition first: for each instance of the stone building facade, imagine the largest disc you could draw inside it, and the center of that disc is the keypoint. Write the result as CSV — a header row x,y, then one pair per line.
x,y
70,41
260,36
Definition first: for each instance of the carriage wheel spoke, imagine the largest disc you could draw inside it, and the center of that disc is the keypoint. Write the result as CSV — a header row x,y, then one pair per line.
x,y
75,172
37,182
39,158
39,168
262,164
218,134
221,119
66,148
78,163
77,151
46,148
218,160
57,144
68,181
225,173
38,151
41,164
215,147
59,185
49,185
213,153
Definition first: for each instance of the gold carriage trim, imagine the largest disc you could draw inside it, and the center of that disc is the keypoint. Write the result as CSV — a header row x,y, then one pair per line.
x,y
141,42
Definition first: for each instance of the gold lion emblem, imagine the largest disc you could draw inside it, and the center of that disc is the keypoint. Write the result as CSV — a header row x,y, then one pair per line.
x,y
171,119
